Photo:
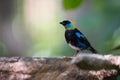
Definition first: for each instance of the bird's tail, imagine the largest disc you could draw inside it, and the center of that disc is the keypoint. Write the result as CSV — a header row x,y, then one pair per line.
x,y
92,49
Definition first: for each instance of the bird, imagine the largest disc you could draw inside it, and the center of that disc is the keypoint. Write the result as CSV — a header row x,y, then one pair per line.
x,y
75,39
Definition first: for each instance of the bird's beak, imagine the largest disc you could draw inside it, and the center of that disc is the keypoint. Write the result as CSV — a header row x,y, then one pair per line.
x,y
61,22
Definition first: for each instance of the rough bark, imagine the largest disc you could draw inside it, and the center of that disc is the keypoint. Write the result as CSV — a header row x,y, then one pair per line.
x,y
64,68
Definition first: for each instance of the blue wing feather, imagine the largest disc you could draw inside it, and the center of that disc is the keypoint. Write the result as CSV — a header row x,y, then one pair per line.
x,y
81,45
79,35
81,40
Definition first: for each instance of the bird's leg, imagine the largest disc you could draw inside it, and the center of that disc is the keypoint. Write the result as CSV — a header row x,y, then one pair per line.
x,y
76,52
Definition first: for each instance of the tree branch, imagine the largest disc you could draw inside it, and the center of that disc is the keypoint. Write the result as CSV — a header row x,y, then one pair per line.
x,y
97,61
83,67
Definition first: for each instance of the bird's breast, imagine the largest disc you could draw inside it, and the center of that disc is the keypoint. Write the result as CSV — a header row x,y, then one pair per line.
x,y
73,47
69,34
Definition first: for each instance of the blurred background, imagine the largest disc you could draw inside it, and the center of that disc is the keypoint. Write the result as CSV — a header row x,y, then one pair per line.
x,y
31,27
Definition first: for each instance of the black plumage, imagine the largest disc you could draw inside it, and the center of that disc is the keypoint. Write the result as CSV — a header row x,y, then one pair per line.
x,y
71,38
75,38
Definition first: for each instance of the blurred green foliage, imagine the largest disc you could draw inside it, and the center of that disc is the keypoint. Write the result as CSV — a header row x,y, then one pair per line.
x,y
101,20
118,78
34,29
71,4
2,49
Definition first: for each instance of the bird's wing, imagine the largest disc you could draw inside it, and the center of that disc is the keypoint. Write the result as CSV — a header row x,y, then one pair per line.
x,y
81,38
